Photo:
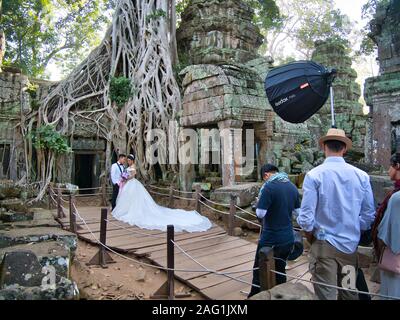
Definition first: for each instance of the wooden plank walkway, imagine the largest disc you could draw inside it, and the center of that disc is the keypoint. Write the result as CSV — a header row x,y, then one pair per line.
x,y
213,248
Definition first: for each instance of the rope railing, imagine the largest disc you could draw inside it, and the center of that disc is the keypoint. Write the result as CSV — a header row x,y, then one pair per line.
x,y
248,221
182,191
76,213
245,211
206,269
135,232
159,188
336,287
212,271
216,210
183,198
88,195
215,203
158,193
80,189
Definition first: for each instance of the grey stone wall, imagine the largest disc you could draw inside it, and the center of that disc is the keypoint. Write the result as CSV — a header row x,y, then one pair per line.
x,y
12,99
382,93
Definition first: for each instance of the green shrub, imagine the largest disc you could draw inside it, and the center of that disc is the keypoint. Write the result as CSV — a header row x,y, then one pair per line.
x,y
47,138
120,90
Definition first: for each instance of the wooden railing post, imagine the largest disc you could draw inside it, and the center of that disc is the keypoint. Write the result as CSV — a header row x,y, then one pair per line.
x,y
102,257
171,195
59,209
104,194
198,198
170,262
232,213
266,264
72,216
167,289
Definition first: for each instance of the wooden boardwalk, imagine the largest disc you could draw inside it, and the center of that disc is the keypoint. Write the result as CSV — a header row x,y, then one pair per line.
x,y
214,249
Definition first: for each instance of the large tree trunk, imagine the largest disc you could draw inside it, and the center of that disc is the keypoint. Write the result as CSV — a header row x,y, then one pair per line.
x,y
135,47
172,33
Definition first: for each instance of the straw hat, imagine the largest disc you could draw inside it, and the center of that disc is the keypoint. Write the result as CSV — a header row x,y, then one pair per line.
x,y
338,135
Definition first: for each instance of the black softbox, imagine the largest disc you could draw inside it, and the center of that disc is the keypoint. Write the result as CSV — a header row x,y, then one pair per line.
x,y
299,89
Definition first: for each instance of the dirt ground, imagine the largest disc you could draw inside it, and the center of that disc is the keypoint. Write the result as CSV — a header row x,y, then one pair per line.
x,y
122,280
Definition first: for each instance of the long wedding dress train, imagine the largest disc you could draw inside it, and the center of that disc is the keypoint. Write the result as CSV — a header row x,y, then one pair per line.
x,y
136,206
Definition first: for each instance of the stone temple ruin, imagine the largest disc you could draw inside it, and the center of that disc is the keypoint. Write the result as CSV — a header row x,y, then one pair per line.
x,y
223,92
382,93
223,89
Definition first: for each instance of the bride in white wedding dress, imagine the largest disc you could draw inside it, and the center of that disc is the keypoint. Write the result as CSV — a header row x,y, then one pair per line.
x,y
135,206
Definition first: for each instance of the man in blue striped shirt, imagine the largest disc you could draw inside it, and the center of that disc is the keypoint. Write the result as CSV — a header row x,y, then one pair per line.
x,y
337,204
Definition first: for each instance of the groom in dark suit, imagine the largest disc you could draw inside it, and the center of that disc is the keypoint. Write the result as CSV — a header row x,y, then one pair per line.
x,y
116,171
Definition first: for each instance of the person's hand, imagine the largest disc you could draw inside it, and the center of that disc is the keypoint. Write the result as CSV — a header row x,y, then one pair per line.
x,y
310,237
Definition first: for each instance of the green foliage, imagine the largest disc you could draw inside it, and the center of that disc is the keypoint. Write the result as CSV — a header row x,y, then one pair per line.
x,y
180,7
285,60
297,147
32,90
301,23
267,14
120,90
159,13
40,31
331,25
367,12
184,61
47,138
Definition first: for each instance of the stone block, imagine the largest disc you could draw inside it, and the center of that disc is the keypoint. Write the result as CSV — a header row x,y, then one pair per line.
x,y
286,291
246,193
16,205
204,186
306,167
65,290
16,216
237,231
285,163
214,181
378,184
35,223
50,253
8,189
33,235
22,268
308,155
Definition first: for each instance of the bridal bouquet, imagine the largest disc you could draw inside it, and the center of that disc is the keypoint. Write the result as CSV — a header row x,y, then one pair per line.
x,y
124,178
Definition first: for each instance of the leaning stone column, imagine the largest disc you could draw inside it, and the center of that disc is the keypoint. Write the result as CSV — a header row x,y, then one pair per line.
x,y
263,133
188,157
229,150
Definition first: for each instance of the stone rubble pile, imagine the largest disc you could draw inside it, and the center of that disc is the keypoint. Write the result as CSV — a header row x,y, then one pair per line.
x,y
35,254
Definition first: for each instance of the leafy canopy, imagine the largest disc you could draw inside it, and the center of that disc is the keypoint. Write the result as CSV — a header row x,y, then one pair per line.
x,y
40,31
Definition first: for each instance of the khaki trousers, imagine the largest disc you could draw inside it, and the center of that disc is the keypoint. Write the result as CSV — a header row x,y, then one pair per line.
x,y
326,266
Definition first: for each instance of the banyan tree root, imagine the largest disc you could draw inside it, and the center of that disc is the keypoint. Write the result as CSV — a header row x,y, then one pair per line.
x,y
135,46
